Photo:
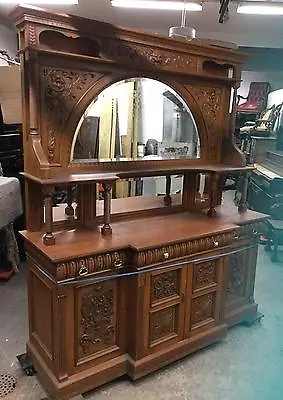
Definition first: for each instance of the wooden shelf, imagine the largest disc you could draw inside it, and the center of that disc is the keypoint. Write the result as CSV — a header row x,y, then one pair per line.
x,y
88,177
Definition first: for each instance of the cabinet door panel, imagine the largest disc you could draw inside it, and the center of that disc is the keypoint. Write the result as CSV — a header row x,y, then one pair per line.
x,y
164,305
204,296
97,317
240,277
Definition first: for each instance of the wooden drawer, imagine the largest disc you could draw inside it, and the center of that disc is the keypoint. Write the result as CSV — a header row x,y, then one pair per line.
x,y
94,264
148,257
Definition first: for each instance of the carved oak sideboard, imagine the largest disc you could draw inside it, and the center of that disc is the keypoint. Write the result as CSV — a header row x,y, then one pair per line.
x,y
124,278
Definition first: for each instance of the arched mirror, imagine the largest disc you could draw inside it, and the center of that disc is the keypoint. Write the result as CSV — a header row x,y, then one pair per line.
x,y
135,119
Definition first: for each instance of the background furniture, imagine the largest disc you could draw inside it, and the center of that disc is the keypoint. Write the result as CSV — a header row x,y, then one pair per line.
x,y
256,99
187,260
10,209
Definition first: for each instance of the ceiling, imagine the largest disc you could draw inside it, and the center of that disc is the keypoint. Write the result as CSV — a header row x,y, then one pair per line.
x,y
244,30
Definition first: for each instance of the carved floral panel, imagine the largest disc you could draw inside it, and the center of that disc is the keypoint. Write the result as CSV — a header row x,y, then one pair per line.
x,y
61,89
96,318
209,101
236,276
203,308
204,274
162,323
164,285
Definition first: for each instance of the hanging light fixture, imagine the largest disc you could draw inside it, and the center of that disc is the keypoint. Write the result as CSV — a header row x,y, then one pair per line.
x,y
183,31
157,4
260,8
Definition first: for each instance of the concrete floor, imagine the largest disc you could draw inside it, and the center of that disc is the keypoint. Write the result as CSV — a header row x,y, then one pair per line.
x,y
247,365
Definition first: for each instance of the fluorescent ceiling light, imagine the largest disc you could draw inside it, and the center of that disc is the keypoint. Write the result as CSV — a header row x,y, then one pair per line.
x,y
53,2
260,7
157,4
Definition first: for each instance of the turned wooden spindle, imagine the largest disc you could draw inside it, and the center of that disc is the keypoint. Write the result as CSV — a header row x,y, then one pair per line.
x,y
48,237
69,210
167,198
106,229
213,195
243,202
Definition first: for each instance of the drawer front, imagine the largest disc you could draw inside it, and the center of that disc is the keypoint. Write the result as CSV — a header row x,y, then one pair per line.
x,y
85,266
182,249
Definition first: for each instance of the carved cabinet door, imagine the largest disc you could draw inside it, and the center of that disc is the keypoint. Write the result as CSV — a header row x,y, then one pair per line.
x,y
204,296
164,308
239,281
99,321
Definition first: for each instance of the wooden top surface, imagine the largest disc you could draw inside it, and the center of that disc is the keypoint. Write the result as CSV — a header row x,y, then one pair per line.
x,y
140,233
87,177
61,179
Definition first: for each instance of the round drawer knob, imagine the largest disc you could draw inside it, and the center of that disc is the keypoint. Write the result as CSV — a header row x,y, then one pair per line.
x,y
165,256
215,243
83,271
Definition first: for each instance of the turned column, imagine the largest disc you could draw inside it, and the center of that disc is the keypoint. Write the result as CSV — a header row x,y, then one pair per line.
x,y
106,229
167,198
48,237
243,202
213,195
69,210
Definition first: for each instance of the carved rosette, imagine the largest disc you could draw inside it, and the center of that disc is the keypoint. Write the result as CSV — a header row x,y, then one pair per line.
x,y
162,323
61,90
145,55
236,275
164,285
204,274
97,324
203,308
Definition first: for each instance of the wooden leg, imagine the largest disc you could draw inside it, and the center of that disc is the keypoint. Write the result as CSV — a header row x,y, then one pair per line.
x,y
213,195
69,210
243,202
167,198
48,238
106,229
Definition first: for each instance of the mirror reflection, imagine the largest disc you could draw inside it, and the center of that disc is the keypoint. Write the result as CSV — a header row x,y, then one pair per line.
x,y
137,118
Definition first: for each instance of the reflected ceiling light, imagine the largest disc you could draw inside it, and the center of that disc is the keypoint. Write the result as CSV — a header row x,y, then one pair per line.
x,y
157,4
260,7
36,2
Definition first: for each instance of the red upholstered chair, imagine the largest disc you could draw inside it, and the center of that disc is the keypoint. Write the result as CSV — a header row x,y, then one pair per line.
x,y
256,100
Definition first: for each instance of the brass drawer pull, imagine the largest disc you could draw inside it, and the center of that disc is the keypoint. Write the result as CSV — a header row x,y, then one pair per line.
x,y
118,263
236,236
165,256
215,243
83,271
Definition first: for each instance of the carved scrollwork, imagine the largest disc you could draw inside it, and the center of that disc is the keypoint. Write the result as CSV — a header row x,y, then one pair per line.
x,y
125,52
97,323
209,100
203,308
60,91
164,285
204,274
162,323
